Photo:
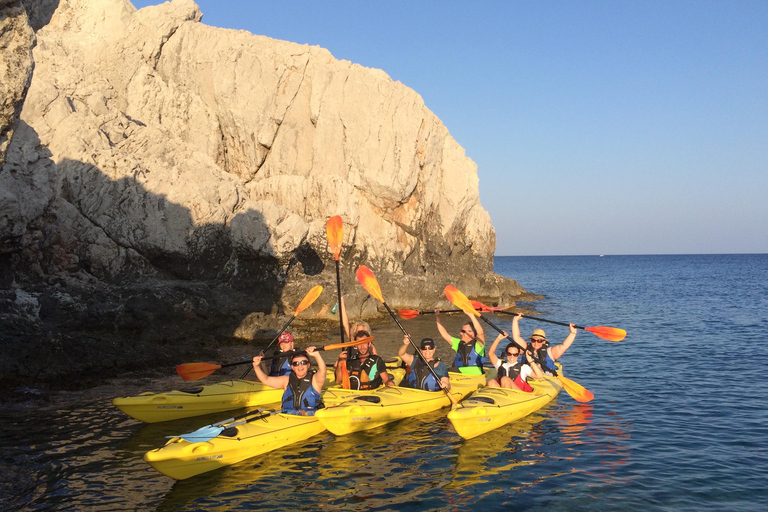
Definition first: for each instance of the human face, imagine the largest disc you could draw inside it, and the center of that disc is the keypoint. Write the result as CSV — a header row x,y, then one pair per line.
x,y
300,366
364,349
513,353
537,342
466,331
286,345
429,352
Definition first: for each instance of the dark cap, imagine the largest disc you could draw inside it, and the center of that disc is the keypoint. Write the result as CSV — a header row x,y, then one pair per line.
x,y
427,343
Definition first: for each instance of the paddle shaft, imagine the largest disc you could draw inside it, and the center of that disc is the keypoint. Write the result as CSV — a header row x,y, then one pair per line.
x,y
421,356
268,347
541,319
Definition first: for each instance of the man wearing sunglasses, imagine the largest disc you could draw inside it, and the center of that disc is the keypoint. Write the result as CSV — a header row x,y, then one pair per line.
x,y
540,345
511,373
469,346
301,387
366,371
420,377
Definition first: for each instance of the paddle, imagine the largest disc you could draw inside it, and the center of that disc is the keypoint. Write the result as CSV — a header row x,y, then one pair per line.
x,y
576,390
407,314
196,371
208,432
334,229
307,301
371,285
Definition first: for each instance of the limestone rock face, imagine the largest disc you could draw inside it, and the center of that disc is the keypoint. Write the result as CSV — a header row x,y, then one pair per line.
x,y
153,149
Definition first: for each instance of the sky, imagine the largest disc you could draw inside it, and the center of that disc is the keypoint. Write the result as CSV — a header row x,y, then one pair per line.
x,y
598,127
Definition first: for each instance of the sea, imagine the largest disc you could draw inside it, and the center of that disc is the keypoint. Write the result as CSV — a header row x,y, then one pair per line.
x,y
678,421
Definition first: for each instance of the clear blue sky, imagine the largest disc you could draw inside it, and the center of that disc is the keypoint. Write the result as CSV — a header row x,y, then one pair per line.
x,y
598,127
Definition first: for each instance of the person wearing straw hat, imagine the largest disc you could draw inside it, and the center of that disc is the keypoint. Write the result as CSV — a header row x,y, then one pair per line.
x,y
540,344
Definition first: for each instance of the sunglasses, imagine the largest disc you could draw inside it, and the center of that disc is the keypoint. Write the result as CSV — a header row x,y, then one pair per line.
x,y
538,340
361,334
513,354
303,362
466,332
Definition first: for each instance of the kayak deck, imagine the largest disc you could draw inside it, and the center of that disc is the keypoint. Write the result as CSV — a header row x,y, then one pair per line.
x,y
490,408
389,404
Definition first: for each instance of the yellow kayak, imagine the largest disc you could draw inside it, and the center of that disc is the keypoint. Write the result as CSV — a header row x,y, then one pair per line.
x,y
386,405
491,408
182,459
223,396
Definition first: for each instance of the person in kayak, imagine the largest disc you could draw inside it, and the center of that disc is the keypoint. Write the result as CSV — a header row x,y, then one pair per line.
x,y
281,364
511,373
367,371
540,345
420,377
469,346
302,388
359,326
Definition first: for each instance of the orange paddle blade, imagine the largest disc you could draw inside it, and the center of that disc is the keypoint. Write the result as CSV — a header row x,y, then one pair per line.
x,y
460,300
335,231
368,280
308,299
195,371
576,390
607,333
407,314
361,341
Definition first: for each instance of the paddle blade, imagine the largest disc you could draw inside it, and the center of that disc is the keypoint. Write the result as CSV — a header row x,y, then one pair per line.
x,y
483,308
607,333
368,280
360,341
576,390
460,300
407,314
201,435
308,299
195,371
334,228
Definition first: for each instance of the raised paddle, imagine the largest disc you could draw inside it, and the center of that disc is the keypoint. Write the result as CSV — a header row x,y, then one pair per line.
x,y
307,301
601,331
576,390
334,229
407,314
368,280
196,371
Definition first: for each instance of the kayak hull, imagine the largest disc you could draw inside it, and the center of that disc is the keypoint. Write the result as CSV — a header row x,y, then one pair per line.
x,y
386,405
180,459
490,408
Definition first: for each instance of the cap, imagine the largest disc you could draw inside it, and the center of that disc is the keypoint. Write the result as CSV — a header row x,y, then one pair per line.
x,y
427,343
285,337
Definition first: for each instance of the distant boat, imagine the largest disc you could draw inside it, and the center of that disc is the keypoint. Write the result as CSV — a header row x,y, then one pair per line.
x,y
602,255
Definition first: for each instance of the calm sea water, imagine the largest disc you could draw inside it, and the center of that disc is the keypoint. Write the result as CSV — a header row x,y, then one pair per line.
x,y
678,421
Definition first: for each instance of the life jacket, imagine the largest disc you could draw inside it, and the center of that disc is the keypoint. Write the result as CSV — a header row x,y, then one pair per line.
x,y
466,355
421,378
545,361
299,396
364,374
281,365
513,372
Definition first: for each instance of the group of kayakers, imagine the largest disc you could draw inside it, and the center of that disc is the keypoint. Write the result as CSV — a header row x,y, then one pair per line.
x,y
362,369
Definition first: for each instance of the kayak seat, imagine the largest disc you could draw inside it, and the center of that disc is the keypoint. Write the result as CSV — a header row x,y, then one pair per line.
x,y
371,399
229,432
192,391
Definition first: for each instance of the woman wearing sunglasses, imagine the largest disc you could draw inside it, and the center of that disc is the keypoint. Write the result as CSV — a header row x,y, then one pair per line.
x,y
302,388
546,354
469,346
511,373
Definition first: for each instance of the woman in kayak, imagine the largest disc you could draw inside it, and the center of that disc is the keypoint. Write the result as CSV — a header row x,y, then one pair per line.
x,y
366,371
542,352
469,346
359,326
512,373
420,377
302,388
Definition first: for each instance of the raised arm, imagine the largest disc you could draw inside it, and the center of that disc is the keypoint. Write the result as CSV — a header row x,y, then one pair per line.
x,y
273,382
319,378
516,332
441,329
492,351
478,329
558,350
405,356
537,373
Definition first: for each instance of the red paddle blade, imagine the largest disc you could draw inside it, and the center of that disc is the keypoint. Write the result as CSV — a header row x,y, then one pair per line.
x,y
607,333
195,371
369,282
460,300
407,314
308,299
576,390
334,228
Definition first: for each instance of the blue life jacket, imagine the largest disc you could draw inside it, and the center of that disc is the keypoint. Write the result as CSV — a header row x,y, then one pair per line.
x,y
301,396
420,376
466,355
280,365
545,361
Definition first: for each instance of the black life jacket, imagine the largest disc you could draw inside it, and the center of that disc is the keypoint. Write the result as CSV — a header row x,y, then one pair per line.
x,y
466,355
360,373
300,395
509,370
281,365
420,376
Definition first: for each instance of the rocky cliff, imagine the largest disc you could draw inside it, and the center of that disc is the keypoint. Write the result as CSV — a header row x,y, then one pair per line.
x,y
167,181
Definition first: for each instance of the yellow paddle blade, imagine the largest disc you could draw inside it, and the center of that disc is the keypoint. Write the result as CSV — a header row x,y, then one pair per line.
x,y
607,333
576,390
407,314
334,228
308,299
195,371
368,280
361,341
460,300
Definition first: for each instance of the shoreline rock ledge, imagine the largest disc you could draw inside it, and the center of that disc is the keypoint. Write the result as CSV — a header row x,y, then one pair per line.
x,y
166,184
